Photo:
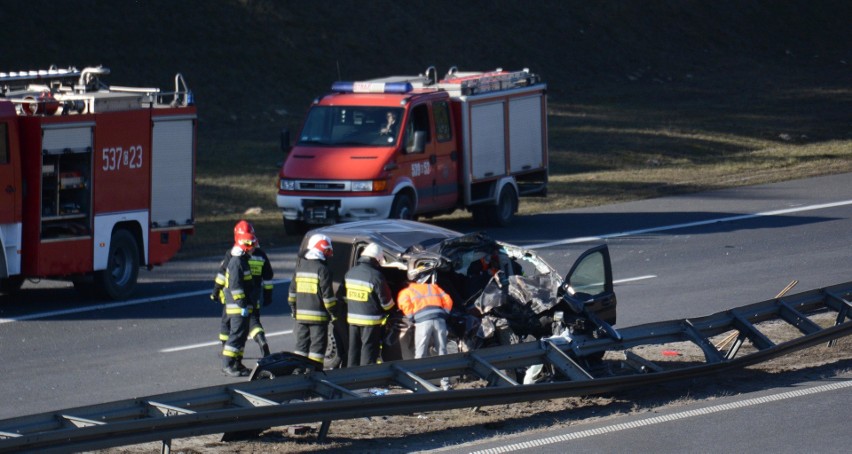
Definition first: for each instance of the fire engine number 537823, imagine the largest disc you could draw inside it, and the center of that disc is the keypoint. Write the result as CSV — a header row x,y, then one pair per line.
x,y
94,180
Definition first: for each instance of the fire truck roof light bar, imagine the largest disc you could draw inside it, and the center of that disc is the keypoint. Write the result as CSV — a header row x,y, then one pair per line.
x,y
40,74
372,87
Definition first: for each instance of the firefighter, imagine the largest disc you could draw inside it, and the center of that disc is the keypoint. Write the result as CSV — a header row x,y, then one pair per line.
x,y
387,129
311,298
261,270
368,300
240,298
429,306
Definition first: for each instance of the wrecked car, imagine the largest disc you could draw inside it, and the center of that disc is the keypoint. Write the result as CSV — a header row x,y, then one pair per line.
x,y
520,298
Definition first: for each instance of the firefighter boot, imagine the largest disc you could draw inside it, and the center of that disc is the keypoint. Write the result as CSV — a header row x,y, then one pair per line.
x,y
261,342
231,369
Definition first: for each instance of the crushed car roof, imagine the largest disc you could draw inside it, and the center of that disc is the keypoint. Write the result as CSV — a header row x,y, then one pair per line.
x,y
395,235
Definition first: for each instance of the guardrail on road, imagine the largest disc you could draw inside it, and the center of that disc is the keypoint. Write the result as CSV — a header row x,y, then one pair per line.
x,y
812,317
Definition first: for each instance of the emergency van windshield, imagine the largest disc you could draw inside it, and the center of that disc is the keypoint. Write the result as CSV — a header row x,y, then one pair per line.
x,y
351,126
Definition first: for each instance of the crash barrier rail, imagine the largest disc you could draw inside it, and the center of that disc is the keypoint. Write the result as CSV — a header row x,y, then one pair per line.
x,y
246,408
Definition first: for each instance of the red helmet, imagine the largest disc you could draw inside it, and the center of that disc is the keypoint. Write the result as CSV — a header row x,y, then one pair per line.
x,y
245,241
244,231
243,227
322,244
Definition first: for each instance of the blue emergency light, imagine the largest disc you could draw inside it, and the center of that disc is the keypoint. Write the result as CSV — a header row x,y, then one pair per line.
x,y
371,87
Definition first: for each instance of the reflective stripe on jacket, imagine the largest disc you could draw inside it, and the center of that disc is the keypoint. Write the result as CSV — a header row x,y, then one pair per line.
x,y
238,292
368,296
424,302
311,294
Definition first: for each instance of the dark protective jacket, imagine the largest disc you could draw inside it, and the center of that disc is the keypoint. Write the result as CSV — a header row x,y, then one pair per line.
x,y
261,271
368,296
311,296
239,289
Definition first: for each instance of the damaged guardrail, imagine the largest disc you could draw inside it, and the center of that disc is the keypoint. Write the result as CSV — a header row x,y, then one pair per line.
x,y
574,366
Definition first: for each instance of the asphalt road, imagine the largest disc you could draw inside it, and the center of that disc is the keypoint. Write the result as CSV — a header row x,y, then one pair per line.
x,y
672,257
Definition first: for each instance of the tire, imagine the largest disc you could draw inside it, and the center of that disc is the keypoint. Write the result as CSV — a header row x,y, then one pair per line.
x,y
333,353
501,215
118,280
11,285
294,228
403,207
264,375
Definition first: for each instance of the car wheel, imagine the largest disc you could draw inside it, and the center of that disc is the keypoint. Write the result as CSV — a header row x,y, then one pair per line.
x,y
333,360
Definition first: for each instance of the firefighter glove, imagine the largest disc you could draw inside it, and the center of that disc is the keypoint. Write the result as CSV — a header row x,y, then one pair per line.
x,y
267,297
215,296
293,310
244,312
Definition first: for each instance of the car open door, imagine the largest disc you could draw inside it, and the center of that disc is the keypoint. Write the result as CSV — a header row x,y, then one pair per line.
x,y
591,280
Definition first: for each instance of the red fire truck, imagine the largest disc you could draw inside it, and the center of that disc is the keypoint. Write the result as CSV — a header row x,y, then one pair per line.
x,y
95,180
408,146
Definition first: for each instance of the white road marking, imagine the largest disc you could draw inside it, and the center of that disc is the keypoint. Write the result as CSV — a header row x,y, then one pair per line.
x,y
98,307
742,217
536,443
534,246
631,279
215,343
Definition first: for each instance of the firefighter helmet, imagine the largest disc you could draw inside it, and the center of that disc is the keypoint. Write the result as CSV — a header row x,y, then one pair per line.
x,y
321,244
243,227
373,250
245,241
244,233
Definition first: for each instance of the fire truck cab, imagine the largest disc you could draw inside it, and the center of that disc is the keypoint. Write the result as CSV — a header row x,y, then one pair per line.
x,y
95,180
408,146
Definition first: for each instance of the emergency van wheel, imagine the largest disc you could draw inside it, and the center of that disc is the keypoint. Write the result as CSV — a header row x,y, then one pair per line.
x,y
10,285
118,280
402,208
501,215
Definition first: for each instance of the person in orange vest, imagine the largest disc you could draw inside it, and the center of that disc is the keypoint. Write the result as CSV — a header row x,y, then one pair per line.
x,y
429,306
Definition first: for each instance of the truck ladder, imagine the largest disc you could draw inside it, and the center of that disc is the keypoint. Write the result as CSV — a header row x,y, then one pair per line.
x,y
580,365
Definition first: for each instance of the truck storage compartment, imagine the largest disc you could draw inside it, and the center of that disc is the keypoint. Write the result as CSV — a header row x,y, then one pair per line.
x,y
66,173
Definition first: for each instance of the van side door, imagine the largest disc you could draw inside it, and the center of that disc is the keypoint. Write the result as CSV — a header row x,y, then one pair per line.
x,y
418,155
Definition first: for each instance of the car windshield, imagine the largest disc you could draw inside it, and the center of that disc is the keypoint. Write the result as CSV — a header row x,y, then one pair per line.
x,y
351,125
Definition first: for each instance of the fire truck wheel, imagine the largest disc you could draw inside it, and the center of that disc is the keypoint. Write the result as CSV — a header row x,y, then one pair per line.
x,y
11,285
403,207
118,280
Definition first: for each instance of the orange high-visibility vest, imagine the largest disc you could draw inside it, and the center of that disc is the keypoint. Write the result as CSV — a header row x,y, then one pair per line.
x,y
424,301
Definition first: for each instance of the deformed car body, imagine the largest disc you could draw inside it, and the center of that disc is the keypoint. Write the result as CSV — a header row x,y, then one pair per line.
x,y
526,299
